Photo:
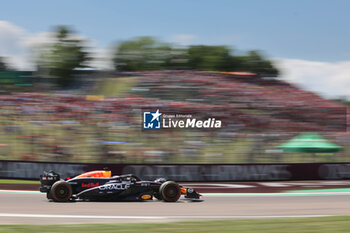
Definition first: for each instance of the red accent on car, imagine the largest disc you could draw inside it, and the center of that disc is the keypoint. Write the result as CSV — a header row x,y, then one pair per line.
x,y
89,185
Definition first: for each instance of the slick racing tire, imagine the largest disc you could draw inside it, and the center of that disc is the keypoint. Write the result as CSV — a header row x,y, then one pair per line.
x,y
170,191
61,191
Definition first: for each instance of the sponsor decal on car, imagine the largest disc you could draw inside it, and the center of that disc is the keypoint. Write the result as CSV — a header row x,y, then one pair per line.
x,y
89,185
114,186
146,197
47,178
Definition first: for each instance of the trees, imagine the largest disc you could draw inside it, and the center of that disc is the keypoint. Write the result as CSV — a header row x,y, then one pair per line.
x,y
142,53
61,58
3,65
221,58
210,58
147,53
256,63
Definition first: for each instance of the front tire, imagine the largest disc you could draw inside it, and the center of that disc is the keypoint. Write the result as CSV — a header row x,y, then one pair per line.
x,y
170,191
61,191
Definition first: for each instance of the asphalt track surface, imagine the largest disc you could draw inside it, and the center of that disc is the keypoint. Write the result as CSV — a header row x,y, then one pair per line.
x,y
34,208
234,187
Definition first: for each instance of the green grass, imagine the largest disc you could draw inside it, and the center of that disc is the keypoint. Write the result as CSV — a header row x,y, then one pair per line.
x,y
285,225
116,86
320,190
4,181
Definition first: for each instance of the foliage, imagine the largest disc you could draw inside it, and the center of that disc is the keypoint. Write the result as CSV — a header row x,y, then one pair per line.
x,y
3,65
256,63
209,58
61,58
147,53
143,53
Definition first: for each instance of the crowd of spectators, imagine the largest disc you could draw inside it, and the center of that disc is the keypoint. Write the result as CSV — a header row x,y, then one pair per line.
x,y
267,104
257,114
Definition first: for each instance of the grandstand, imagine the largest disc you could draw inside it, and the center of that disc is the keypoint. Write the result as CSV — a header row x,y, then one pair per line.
x,y
277,104
257,114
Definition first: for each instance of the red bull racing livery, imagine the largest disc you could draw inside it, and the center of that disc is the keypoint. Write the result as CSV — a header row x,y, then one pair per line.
x,y
101,186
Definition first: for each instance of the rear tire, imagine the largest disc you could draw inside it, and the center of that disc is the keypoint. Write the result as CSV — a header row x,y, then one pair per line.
x,y
61,191
170,191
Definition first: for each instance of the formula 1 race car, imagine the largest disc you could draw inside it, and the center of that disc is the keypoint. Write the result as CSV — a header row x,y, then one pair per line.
x,y
101,186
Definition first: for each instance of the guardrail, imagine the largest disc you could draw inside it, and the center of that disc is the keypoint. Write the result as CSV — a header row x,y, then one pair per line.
x,y
186,172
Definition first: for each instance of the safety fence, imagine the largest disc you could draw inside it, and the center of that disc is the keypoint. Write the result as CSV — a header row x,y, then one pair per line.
x,y
185,172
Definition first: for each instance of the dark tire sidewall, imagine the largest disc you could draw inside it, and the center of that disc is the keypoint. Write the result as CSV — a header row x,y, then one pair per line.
x,y
164,189
61,191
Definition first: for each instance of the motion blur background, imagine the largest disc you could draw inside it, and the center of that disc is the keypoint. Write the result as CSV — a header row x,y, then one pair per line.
x,y
74,79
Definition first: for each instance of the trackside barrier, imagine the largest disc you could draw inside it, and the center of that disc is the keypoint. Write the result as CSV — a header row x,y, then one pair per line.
x,y
186,172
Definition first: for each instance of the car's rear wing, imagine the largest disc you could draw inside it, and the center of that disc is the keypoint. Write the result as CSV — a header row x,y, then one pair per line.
x,y
47,179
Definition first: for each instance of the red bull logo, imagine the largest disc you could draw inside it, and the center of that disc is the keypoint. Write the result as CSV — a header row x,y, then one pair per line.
x,y
89,185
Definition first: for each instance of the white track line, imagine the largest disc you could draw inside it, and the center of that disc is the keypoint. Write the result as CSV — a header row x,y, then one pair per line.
x,y
19,191
11,215
77,216
223,194
273,194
